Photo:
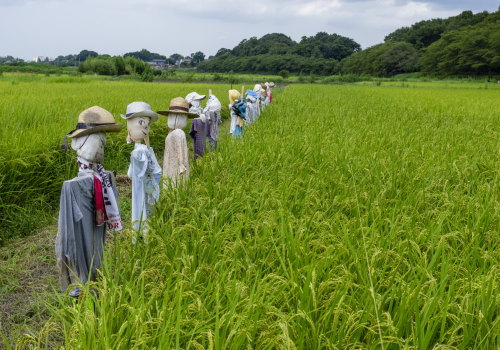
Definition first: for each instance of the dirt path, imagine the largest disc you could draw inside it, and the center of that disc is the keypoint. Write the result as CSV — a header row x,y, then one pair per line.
x,y
28,277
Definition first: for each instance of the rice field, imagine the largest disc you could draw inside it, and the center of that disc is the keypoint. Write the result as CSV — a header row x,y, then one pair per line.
x,y
348,217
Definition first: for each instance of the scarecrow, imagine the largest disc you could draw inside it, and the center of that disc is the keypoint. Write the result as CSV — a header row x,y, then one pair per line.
x,y
259,91
264,97
200,127
270,91
175,161
212,112
144,169
233,96
237,107
252,106
88,203
194,99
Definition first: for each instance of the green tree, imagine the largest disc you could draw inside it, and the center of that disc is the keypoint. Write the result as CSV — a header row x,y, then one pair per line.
x,y
424,33
198,57
385,59
120,65
174,58
222,52
284,74
84,54
472,50
145,55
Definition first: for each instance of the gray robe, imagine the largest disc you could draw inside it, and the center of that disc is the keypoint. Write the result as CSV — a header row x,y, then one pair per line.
x,y
79,242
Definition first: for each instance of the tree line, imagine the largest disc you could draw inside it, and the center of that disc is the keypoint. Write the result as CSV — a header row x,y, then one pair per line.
x,y
467,44
318,54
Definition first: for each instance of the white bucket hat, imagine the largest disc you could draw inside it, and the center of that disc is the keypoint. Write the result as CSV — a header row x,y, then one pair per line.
x,y
194,96
140,109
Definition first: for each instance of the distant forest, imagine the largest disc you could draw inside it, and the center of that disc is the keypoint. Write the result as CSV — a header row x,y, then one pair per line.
x,y
463,45
467,44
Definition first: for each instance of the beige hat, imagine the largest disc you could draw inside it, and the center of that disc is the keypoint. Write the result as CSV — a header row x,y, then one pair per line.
x,y
94,119
140,109
179,105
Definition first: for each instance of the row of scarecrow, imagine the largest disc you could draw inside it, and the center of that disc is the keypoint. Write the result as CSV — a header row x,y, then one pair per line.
x,y
89,202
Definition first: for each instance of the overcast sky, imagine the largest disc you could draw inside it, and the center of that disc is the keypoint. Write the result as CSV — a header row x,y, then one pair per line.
x,y
30,28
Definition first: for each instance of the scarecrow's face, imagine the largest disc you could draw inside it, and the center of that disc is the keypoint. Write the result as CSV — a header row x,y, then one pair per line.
x,y
90,147
177,121
138,128
195,103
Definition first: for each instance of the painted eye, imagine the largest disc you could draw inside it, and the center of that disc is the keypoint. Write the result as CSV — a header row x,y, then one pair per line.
x,y
141,122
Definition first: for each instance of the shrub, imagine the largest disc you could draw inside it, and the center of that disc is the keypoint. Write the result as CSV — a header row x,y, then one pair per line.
x,y
284,73
147,76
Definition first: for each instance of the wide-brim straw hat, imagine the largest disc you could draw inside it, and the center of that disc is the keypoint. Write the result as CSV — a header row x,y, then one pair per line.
x,y
178,105
140,109
94,119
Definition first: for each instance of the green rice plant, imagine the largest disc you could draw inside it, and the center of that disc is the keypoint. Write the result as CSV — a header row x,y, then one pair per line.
x,y
37,112
347,217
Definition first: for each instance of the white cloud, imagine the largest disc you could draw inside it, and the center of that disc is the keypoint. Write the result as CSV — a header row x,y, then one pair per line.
x,y
316,8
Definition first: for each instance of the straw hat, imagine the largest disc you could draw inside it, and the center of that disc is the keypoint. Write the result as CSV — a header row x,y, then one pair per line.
x,y
178,105
233,96
94,119
194,96
140,109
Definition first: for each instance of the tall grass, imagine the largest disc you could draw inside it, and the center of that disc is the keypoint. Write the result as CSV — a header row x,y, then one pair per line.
x,y
347,217
36,113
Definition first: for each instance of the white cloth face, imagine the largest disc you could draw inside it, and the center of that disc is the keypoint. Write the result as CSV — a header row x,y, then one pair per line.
x,y
257,88
196,110
138,128
177,121
90,147
213,104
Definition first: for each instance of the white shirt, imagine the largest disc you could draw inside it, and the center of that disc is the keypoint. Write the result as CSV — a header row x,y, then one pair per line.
x,y
145,173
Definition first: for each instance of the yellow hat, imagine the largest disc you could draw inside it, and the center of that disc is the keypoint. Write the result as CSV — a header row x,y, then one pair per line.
x,y
233,96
